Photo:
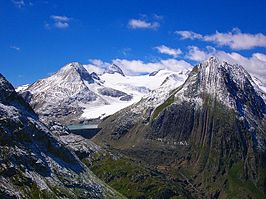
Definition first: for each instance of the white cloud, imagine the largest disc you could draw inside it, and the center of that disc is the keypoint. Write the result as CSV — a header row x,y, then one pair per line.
x,y
96,65
59,22
168,51
235,39
199,55
189,35
255,64
19,3
97,62
196,54
137,67
15,48
142,24
60,18
238,41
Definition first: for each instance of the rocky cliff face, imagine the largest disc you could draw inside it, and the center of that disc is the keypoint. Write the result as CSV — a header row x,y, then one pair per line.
x,y
213,127
111,69
34,163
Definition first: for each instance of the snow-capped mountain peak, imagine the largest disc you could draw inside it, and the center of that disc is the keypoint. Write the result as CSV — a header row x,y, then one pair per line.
x,y
230,84
74,70
76,93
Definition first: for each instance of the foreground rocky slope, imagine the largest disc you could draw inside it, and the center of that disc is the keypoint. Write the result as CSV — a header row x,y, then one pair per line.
x,y
34,163
210,130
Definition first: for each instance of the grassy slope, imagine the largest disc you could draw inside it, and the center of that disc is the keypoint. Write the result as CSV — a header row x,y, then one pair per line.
x,y
132,179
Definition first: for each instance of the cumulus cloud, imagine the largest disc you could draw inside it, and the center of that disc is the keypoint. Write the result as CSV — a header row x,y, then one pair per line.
x,y
235,39
143,24
196,54
168,51
185,34
255,64
138,67
96,65
59,21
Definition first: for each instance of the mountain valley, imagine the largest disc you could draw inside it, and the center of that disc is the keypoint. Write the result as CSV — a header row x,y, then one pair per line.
x,y
186,134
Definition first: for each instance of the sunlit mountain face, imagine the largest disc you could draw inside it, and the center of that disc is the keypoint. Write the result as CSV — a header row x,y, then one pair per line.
x,y
132,99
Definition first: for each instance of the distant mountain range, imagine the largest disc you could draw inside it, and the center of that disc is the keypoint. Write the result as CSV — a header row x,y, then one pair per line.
x,y
77,93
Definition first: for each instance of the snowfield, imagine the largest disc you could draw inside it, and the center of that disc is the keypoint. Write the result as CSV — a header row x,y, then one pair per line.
x,y
136,86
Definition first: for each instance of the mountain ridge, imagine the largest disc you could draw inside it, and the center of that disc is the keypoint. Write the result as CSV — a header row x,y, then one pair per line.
x,y
73,94
212,125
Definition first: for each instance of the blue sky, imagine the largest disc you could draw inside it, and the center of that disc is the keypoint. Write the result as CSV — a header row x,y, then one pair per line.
x,y
38,37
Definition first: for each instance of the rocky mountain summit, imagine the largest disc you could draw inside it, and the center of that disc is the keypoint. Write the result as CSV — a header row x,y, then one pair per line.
x,y
34,163
113,68
210,130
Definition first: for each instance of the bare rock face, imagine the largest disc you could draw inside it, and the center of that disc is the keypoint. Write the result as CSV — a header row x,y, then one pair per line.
x,y
213,127
113,68
36,164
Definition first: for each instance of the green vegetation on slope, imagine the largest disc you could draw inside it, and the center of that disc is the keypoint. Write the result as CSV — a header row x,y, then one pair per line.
x,y
240,188
160,108
132,179
171,99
